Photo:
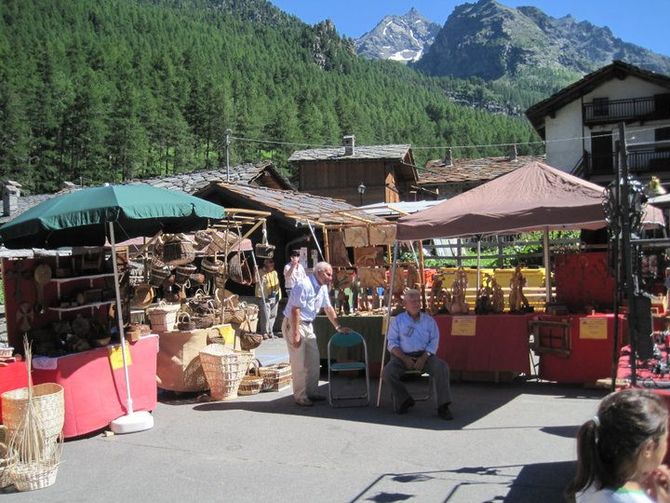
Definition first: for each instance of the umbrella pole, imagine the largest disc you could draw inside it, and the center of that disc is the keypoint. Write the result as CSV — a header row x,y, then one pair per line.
x,y
387,321
547,265
132,421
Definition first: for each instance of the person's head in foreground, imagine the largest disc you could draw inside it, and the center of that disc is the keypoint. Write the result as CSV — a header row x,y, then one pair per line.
x,y
620,450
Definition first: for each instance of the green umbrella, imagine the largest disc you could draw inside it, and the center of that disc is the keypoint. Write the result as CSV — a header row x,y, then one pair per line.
x,y
87,217
81,218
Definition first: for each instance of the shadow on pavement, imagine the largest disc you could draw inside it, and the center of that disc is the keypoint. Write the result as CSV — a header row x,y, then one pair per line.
x,y
510,483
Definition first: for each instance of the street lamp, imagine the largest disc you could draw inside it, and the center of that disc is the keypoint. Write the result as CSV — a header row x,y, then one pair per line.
x,y
361,191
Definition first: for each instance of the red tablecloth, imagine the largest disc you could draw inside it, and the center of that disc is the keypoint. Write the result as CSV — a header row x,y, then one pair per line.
x,y
94,393
499,343
12,376
590,359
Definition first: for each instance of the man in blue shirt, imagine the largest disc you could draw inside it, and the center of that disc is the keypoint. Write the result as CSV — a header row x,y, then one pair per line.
x,y
412,341
308,296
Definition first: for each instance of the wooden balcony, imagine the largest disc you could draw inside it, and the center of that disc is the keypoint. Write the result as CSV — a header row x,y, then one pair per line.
x,y
604,111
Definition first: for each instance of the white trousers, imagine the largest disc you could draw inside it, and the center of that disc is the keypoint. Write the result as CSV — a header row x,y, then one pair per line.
x,y
305,363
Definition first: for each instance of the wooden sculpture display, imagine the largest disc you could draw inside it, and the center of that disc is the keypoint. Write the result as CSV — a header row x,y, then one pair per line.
x,y
458,289
497,297
517,300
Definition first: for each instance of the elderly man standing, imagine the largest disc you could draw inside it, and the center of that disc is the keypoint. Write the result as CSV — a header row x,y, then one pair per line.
x,y
412,341
307,297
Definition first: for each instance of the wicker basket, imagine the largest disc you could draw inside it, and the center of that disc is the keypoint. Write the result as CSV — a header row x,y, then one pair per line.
x,y
183,273
275,377
178,251
5,461
252,382
48,399
224,369
159,272
164,316
30,477
6,352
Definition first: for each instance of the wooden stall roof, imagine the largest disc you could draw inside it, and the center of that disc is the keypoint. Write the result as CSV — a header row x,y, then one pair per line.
x,y
298,206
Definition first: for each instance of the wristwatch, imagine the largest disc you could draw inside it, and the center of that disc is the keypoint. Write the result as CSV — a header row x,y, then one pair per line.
x,y
428,354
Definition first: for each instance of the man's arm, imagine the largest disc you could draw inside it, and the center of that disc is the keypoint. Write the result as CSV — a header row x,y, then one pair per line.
x,y
393,345
295,327
289,271
431,347
332,316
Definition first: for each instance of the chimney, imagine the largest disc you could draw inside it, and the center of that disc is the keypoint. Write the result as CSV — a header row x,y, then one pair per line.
x,y
349,143
448,158
11,191
513,153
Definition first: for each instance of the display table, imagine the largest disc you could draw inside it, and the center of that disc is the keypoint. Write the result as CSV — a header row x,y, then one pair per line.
x,y
13,376
490,343
370,327
94,393
590,356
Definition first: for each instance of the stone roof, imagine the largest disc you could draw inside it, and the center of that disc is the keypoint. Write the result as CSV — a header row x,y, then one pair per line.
x,y
470,170
299,206
395,152
247,173
192,182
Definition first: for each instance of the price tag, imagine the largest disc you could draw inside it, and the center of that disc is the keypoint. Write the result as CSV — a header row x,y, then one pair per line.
x,y
464,326
593,328
116,358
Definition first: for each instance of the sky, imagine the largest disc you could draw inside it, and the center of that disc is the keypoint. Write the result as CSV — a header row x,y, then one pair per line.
x,y
642,22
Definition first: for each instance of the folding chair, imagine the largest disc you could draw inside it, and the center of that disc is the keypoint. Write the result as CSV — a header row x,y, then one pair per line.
x,y
424,396
348,341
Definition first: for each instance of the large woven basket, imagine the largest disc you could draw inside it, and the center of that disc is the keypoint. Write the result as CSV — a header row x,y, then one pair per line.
x,y
163,318
48,399
224,369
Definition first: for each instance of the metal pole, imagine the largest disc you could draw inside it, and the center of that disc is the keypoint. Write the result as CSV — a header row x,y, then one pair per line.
x,y
228,131
625,245
547,265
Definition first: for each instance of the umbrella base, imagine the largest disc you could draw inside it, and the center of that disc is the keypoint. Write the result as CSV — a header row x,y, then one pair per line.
x,y
131,423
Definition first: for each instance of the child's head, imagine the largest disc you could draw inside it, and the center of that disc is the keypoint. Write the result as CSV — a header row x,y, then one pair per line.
x,y
625,441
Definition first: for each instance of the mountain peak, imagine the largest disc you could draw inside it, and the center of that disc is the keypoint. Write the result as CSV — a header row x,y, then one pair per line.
x,y
400,38
490,40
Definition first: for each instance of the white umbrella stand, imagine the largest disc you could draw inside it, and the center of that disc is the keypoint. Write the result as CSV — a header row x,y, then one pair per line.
x,y
132,421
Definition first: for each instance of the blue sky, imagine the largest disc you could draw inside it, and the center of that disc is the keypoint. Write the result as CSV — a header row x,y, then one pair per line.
x,y
642,22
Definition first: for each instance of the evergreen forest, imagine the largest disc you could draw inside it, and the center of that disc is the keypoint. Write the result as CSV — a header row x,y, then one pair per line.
x,y
107,91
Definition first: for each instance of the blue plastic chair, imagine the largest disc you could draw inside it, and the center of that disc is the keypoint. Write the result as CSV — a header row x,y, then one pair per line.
x,y
348,341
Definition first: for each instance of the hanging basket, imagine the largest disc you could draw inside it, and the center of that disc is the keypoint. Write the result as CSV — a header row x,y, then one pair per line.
x,y
178,251
159,272
224,369
183,273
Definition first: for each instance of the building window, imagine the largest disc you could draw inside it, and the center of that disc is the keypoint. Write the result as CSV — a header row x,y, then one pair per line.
x,y
662,134
601,107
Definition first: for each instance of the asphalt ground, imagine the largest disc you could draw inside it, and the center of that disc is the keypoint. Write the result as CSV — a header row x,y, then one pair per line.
x,y
508,442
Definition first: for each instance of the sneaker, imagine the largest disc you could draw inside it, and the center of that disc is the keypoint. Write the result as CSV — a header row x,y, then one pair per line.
x,y
304,402
405,406
444,412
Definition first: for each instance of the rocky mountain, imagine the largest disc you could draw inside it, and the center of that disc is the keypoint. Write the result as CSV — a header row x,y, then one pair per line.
x,y
400,38
490,40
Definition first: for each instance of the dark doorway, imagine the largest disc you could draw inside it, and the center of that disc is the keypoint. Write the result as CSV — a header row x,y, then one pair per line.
x,y
601,153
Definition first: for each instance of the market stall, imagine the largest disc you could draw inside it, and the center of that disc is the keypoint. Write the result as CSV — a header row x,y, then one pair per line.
x,y
532,197
90,217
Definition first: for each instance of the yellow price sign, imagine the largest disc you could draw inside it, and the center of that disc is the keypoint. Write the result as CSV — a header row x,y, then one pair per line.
x,y
116,358
593,328
464,326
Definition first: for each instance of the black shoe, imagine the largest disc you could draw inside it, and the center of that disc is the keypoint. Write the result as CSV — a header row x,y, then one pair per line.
x,y
405,406
316,398
444,412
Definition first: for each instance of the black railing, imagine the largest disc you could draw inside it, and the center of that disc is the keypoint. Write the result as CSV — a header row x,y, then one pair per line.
x,y
644,109
640,162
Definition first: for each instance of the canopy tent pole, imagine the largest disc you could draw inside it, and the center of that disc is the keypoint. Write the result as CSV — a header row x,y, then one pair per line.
x,y
479,263
132,421
547,265
387,321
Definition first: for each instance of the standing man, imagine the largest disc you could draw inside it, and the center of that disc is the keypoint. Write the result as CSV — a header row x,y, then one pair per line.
x,y
293,272
308,296
268,288
412,341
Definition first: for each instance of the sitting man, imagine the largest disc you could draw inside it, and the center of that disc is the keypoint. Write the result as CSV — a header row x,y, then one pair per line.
x,y
412,341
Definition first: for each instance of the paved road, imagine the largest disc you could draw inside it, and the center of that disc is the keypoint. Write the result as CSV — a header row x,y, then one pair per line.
x,y
509,442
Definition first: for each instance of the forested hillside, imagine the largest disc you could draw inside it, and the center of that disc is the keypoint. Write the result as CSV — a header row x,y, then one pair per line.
x,y
96,91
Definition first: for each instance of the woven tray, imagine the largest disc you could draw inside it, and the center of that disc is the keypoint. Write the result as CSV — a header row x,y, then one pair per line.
x,y
275,377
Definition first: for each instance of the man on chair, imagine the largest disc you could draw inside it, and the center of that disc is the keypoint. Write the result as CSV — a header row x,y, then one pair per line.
x,y
412,341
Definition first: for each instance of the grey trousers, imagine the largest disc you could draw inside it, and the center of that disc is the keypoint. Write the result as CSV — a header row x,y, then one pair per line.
x,y
267,316
436,368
